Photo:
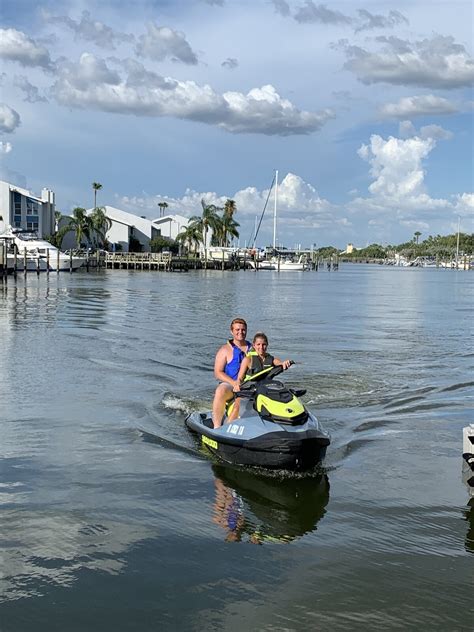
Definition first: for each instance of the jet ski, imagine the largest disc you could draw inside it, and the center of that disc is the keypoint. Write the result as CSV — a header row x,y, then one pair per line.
x,y
274,429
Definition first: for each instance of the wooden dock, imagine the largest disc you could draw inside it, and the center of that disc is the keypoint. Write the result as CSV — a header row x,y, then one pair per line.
x,y
165,262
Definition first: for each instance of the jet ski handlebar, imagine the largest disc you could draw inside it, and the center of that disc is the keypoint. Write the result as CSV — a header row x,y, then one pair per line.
x,y
247,389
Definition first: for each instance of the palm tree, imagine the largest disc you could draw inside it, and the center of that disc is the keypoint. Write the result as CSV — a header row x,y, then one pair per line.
x,y
230,208
229,225
417,235
229,228
80,223
163,206
208,219
190,236
97,187
100,224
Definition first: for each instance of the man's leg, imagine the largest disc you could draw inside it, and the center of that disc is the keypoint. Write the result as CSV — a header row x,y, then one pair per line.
x,y
222,395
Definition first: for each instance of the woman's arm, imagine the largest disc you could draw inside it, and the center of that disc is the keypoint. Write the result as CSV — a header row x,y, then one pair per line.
x,y
285,363
243,369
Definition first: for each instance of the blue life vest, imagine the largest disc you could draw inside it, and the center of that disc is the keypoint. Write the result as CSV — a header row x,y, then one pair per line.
x,y
232,368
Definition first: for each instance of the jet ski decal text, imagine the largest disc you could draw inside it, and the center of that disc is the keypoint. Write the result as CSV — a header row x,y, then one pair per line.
x,y
210,442
235,429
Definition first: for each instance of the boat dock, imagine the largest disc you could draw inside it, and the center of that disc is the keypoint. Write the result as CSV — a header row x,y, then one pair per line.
x,y
166,262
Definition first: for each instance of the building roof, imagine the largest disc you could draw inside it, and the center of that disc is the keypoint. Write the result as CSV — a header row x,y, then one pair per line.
x,y
24,192
180,219
129,219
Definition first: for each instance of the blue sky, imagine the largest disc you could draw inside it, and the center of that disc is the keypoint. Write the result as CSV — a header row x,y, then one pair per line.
x,y
364,108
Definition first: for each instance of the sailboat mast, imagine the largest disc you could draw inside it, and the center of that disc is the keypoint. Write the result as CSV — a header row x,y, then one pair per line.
x,y
275,210
457,242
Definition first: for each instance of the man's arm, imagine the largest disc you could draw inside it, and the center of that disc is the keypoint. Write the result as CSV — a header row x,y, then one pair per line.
x,y
219,366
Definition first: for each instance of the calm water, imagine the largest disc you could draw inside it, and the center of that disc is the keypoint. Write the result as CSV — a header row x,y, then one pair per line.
x,y
111,517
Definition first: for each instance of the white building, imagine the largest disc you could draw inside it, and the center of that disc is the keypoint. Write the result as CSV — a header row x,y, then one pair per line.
x,y
19,208
170,225
127,226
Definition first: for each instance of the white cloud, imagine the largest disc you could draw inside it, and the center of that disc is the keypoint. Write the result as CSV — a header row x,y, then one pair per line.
x,y
437,62
91,84
436,132
9,119
264,111
464,204
5,147
90,30
299,204
398,185
418,106
161,42
90,76
18,47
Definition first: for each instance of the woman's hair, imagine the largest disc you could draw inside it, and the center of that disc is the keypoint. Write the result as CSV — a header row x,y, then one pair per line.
x,y
261,335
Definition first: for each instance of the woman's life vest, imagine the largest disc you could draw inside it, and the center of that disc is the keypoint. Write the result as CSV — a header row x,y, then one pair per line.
x,y
232,368
257,363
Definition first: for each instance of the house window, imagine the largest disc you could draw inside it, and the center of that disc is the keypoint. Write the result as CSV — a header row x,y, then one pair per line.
x,y
32,207
16,203
17,221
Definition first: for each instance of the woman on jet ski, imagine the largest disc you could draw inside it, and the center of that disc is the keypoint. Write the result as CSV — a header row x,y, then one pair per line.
x,y
255,361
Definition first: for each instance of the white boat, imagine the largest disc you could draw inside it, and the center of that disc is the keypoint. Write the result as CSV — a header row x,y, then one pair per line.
x,y
287,264
221,253
261,265
40,252
32,261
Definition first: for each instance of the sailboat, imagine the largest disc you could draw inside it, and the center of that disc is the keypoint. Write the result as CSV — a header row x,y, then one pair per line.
x,y
286,264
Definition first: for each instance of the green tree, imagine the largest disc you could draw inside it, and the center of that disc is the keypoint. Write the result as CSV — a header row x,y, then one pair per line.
x,y
160,243
163,206
208,220
417,235
96,187
100,224
229,225
81,224
190,237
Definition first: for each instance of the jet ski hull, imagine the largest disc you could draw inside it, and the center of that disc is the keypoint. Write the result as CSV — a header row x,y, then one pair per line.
x,y
255,442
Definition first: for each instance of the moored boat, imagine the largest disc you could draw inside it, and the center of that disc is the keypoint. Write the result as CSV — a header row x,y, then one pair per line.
x,y
39,253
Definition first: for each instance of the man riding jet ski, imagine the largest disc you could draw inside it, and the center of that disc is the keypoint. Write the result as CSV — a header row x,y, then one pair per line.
x,y
273,430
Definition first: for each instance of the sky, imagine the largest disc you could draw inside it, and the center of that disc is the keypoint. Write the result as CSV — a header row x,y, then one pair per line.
x,y
365,109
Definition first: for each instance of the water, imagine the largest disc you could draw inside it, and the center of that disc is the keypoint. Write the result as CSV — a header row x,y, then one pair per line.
x,y
113,519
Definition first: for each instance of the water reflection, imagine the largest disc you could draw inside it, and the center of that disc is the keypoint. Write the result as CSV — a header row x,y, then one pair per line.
x,y
258,509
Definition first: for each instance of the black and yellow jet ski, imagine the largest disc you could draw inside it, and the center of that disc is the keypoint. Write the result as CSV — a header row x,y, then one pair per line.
x,y
273,430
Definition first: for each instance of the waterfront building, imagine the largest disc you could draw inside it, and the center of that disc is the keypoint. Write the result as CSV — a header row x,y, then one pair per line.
x,y
22,209
170,225
127,227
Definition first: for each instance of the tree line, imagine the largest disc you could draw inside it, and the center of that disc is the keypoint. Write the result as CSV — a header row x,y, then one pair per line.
x,y
442,246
